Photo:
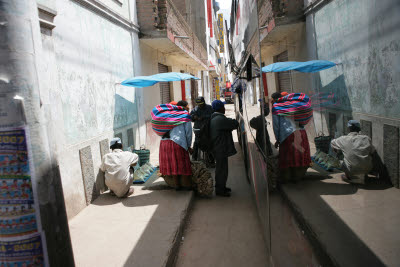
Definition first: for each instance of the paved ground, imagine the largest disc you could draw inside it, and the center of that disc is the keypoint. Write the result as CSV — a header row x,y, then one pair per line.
x,y
356,224
137,231
225,231
145,229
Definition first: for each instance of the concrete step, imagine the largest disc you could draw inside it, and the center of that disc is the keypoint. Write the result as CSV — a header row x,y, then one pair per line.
x,y
144,229
348,225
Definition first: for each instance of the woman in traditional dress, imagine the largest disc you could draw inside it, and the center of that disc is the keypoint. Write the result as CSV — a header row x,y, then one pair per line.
x,y
290,114
173,123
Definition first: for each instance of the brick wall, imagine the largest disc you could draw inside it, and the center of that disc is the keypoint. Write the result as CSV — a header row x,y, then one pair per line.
x,y
147,12
181,7
265,12
177,25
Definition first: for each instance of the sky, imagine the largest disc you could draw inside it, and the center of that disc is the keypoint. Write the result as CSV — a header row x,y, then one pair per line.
x,y
225,8
225,4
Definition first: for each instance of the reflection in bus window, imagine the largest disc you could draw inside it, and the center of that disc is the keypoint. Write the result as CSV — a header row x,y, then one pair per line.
x,y
239,87
258,123
289,115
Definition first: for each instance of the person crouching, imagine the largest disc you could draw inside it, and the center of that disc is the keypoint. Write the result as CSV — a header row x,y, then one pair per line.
x,y
357,151
117,165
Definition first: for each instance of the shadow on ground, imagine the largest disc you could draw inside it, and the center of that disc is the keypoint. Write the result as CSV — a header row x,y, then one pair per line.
x,y
339,221
141,230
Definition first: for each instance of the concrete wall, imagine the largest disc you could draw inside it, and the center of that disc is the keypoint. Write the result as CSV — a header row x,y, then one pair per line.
x,y
85,56
21,57
363,36
294,42
197,20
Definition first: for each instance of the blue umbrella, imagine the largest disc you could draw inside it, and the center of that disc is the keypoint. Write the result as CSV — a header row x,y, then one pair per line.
x,y
308,66
144,81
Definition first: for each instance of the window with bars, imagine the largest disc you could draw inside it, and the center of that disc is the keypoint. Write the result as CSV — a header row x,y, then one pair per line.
x,y
284,77
165,93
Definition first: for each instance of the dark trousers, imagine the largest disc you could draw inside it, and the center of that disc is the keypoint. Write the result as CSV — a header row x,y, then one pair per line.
x,y
195,154
221,174
196,150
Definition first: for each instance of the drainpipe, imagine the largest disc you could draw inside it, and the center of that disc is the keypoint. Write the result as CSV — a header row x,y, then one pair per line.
x,y
20,76
315,5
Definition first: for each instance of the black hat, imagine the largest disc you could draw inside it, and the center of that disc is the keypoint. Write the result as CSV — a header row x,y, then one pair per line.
x,y
200,100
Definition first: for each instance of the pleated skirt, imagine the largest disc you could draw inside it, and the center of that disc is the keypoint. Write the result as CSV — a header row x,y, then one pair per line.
x,y
174,159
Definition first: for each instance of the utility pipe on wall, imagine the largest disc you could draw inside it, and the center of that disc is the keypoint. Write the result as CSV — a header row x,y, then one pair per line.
x,y
314,5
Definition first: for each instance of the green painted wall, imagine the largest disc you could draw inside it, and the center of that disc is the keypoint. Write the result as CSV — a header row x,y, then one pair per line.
x,y
92,55
364,36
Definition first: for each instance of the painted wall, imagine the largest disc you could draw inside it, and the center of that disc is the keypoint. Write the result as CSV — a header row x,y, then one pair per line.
x,y
85,56
363,36
20,63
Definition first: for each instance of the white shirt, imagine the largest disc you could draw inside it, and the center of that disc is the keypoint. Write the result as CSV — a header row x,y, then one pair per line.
x,y
357,150
116,166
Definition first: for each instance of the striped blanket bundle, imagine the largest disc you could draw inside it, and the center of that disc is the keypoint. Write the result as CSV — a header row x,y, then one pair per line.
x,y
166,116
297,105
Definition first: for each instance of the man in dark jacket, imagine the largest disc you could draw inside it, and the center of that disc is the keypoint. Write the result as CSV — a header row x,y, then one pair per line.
x,y
200,115
221,129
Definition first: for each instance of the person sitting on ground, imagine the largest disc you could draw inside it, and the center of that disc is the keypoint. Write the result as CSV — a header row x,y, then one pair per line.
x,y
257,124
174,151
223,147
117,167
201,114
357,151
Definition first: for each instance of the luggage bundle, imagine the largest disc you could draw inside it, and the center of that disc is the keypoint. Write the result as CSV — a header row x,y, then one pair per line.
x,y
202,179
143,173
165,117
326,161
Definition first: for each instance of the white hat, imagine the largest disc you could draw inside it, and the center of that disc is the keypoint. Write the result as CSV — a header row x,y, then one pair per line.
x,y
115,140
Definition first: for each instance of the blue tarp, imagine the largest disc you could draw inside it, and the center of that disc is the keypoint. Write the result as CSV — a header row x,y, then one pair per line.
x,y
308,66
145,81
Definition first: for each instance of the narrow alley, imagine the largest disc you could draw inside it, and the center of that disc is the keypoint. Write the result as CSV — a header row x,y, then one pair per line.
x,y
225,231
191,133
150,228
